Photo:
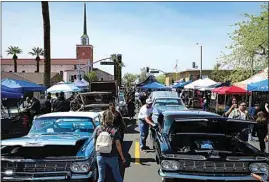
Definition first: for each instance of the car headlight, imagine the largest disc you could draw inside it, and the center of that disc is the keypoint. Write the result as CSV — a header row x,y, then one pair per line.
x,y
258,168
75,168
175,165
170,165
263,168
84,167
165,165
79,168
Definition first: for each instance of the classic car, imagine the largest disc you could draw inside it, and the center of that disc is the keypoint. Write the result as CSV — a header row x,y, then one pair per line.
x,y
200,145
95,101
158,94
14,121
58,147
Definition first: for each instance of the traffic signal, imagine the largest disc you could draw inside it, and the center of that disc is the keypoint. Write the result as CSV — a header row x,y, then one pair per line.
x,y
193,65
119,58
147,69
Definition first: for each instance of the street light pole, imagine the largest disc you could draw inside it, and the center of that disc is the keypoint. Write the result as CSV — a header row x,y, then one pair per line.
x,y
201,69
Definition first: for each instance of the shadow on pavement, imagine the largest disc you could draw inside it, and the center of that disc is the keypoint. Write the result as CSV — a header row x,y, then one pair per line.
x,y
126,148
131,125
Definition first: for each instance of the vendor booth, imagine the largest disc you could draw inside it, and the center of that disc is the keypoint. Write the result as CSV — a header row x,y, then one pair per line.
x,y
155,86
220,96
63,87
259,92
22,86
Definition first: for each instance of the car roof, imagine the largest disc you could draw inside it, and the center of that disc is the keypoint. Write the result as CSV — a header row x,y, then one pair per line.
x,y
190,114
71,114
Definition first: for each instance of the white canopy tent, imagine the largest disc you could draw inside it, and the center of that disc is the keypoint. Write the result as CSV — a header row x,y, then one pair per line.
x,y
201,83
63,87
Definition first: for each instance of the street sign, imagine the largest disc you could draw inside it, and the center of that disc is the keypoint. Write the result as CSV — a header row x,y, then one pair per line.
x,y
107,63
154,71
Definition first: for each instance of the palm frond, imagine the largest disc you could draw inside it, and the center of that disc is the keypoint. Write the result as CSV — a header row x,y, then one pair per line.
x,y
36,51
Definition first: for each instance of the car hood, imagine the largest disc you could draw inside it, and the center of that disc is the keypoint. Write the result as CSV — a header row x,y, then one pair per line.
x,y
38,140
211,125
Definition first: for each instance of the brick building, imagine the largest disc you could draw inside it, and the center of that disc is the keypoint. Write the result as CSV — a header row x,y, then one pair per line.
x,y
64,66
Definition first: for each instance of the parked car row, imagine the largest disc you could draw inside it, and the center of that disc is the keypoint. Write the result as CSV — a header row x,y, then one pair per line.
x,y
188,144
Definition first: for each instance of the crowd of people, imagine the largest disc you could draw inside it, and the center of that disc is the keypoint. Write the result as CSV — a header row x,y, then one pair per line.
x,y
258,113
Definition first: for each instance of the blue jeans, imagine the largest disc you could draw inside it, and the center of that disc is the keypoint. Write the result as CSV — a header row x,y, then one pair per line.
x,y
113,163
144,132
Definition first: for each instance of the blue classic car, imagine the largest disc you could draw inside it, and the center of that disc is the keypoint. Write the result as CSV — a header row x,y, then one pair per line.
x,y
58,147
199,145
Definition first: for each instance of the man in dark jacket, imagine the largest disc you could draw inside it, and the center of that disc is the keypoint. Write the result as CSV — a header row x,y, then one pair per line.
x,y
60,104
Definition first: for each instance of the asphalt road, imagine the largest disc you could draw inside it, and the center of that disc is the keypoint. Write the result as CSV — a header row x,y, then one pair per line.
x,y
140,166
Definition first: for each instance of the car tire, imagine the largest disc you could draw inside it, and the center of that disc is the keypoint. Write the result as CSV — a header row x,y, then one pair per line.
x,y
157,159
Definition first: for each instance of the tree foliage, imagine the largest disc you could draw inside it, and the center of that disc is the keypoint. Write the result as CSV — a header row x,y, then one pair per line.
x,y
143,75
14,51
161,78
249,47
129,79
91,77
219,75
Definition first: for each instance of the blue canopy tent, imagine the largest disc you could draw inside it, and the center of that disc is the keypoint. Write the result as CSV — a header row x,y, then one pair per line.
x,y
22,86
9,93
261,86
154,85
181,84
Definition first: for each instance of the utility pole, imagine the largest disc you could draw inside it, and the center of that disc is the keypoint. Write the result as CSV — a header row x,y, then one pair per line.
x,y
201,69
201,61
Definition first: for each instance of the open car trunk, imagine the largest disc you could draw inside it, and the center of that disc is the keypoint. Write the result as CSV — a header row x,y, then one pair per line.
x,y
40,152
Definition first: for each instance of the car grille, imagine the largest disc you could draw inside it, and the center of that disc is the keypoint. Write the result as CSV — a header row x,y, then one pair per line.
x,y
214,167
35,166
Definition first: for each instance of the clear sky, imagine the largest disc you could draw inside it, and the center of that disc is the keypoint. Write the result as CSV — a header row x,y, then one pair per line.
x,y
154,34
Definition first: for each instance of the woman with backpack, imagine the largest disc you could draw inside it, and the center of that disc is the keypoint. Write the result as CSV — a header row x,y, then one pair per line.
x,y
108,146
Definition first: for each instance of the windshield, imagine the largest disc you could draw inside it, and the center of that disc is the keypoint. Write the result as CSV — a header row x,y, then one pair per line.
x,y
54,125
168,102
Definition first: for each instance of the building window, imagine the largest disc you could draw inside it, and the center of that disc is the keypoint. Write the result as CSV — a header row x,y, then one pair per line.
x,y
23,71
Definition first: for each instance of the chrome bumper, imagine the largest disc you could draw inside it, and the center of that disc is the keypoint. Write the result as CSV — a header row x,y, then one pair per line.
x,y
174,175
68,177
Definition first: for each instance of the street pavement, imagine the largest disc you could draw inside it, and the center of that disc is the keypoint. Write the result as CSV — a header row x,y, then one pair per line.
x,y
140,166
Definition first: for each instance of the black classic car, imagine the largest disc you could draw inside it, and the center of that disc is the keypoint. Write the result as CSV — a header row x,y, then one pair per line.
x,y
59,147
199,145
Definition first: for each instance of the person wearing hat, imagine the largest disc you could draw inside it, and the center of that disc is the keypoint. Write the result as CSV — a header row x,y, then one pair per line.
x,y
145,120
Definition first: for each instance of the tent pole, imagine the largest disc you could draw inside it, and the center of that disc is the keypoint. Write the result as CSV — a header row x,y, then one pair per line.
x,y
217,104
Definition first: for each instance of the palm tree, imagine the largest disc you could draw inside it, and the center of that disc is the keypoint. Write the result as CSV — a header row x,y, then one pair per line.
x,y
36,51
46,29
13,50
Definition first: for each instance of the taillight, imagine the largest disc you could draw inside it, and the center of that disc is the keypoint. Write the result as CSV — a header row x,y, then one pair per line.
x,y
25,121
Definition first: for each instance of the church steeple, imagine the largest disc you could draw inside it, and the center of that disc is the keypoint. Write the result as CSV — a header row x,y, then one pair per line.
x,y
84,37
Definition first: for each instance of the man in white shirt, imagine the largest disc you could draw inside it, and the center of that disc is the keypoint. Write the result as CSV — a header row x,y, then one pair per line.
x,y
145,120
